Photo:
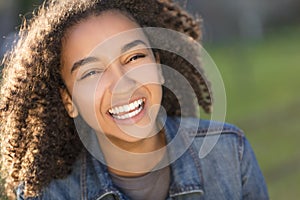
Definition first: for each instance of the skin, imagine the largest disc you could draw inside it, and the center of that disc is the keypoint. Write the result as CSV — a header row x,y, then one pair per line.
x,y
106,62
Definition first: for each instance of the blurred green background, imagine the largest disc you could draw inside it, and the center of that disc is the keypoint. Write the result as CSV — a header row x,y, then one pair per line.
x,y
262,86
256,47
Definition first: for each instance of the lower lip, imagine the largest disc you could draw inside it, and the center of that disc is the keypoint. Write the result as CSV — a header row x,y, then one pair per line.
x,y
131,120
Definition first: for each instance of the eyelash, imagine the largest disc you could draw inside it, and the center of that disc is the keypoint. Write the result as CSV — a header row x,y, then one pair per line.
x,y
131,59
135,57
90,73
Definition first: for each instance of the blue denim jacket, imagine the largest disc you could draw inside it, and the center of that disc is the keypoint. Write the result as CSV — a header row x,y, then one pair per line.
x,y
229,171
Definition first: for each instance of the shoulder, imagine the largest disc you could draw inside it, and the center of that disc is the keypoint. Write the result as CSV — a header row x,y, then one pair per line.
x,y
210,136
224,155
200,127
65,188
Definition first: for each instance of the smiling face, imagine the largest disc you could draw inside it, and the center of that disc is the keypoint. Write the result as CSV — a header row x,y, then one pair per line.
x,y
113,79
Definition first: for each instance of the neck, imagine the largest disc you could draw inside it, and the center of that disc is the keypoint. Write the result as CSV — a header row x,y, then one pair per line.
x,y
133,158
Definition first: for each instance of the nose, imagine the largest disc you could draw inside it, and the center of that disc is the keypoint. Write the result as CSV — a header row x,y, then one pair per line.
x,y
119,82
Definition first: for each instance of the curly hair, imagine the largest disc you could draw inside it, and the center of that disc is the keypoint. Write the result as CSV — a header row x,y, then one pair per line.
x,y
39,141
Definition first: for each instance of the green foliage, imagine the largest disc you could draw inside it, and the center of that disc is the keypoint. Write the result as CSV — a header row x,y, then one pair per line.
x,y
262,86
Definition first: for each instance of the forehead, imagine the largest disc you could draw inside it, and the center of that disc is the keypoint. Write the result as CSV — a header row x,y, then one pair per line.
x,y
107,23
82,38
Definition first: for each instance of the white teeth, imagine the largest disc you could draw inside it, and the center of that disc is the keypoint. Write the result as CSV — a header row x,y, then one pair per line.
x,y
131,114
131,106
115,112
128,115
127,108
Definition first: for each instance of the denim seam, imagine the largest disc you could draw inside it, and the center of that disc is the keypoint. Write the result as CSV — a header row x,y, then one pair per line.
x,y
187,192
197,163
105,194
83,178
192,188
226,130
115,193
241,147
215,131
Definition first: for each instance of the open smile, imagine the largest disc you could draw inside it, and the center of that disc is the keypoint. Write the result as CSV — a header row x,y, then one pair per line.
x,y
127,111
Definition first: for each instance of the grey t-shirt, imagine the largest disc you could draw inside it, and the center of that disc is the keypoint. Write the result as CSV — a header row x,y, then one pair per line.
x,y
154,185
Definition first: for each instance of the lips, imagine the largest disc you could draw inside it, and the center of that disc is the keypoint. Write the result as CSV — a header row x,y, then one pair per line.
x,y
127,111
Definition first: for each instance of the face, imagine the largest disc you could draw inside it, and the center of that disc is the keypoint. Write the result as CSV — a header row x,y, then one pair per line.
x,y
113,78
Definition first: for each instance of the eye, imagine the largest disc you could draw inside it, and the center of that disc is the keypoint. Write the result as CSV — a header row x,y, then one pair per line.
x,y
135,57
90,73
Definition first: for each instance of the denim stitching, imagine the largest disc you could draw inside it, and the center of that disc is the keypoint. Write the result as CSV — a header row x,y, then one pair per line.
x,y
190,189
241,147
83,178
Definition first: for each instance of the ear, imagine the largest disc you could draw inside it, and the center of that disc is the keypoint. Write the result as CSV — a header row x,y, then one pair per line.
x,y
160,74
68,103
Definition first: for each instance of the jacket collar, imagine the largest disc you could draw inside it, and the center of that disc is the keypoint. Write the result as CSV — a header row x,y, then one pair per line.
x,y
183,155
95,180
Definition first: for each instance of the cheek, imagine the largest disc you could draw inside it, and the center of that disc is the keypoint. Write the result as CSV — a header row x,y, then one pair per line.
x,y
156,97
156,93
88,97
145,74
159,110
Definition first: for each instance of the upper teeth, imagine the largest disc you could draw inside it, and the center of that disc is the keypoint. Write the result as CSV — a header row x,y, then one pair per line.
x,y
125,108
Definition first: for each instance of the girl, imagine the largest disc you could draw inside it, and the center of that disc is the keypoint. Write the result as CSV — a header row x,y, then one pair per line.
x,y
88,110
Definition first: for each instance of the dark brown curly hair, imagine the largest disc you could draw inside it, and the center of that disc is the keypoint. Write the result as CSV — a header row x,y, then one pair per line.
x,y
39,141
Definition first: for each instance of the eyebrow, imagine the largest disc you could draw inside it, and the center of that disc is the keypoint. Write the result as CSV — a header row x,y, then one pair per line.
x,y
87,60
83,61
132,44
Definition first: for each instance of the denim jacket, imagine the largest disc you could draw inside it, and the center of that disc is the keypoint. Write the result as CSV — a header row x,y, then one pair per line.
x,y
229,171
